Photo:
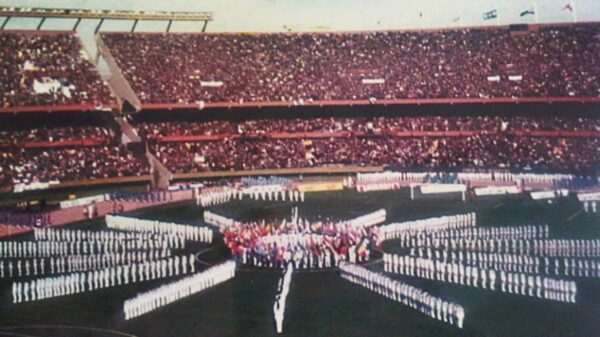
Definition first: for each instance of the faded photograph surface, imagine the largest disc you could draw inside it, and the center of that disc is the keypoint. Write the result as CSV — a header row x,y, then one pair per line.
x,y
300,168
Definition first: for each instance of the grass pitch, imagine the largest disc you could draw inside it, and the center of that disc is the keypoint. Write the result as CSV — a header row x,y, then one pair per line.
x,y
320,303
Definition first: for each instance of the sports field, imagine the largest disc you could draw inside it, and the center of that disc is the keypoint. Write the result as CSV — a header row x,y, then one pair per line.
x,y
320,303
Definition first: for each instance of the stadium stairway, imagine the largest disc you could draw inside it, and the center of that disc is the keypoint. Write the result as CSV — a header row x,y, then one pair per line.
x,y
160,175
126,97
128,134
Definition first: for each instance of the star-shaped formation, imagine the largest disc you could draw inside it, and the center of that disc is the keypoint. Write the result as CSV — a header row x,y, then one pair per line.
x,y
520,260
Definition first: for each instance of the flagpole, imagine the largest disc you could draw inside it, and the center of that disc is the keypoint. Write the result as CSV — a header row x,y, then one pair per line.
x,y
573,10
497,13
461,11
535,12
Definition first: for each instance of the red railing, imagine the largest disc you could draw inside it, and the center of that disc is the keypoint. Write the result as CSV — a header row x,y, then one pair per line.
x,y
64,143
365,102
393,133
58,108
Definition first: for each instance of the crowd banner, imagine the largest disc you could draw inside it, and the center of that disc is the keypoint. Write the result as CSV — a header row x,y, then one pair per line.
x,y
496,190
442,188
84,201
19,188
590,196
320,186
373,81
542,195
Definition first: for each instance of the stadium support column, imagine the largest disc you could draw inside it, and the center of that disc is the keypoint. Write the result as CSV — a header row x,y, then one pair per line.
x,y
412,192
39,27
204,27
99,26
169,26
5,22
135,22
161,176
76,24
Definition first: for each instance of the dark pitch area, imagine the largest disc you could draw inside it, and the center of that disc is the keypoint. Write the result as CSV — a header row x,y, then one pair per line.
x,y
320,302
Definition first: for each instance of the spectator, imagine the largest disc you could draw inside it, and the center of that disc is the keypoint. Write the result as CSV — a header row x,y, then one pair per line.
x,y
41,69
307,67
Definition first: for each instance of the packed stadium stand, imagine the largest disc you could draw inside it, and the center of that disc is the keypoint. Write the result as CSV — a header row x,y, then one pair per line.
x,y
517,143
48,71
75,146
306,68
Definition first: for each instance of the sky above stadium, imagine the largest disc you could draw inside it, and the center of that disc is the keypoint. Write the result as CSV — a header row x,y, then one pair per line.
x,y
302,15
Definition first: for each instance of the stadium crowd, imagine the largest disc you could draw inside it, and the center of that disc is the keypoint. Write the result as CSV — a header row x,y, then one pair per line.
x,y
492,141
37,155
53,134
26,166
41,69
152,130
301,68
64,153
477,151
241,155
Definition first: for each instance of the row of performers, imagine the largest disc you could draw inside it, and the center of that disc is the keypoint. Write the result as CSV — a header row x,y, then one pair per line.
x,y
517,263
213,196
406,294
504,232
71,263
18,249
517,283
189,232
169,293
77,282
429,225
283,288
550,247
70,235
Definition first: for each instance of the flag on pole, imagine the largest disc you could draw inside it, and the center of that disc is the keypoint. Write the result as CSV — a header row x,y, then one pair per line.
x,y
570,6
530,11
456,19
493,14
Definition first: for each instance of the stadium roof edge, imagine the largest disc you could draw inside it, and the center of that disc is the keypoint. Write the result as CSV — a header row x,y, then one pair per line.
x,y
104,14
37,32
440,29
